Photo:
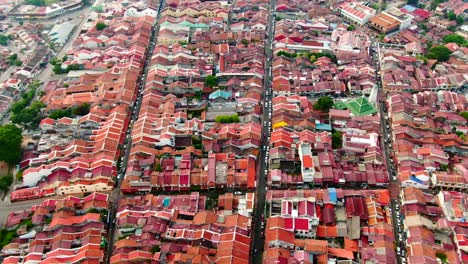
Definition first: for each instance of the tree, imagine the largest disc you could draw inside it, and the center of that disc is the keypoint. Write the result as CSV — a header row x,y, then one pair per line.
x,y
461,135
351,28
452,28
37,105
57,69
24,117
443,167
13,60
211,81
59,113
337,140
442,257
423,26
435,3
227,119
312,58
155,249
460,20
5,183
12,57
36,2
81,110
100,26
464,114
158,167
424,59
10,142
412,2
451,16
4,39
245,42
284,53
324,104
440,53
454,38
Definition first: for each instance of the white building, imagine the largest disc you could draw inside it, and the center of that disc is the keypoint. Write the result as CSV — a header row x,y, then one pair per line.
x,y
356,13
404,18
307,168
135,12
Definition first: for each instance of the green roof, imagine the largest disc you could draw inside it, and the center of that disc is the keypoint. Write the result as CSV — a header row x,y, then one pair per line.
x,y
340,105
219,93
360,107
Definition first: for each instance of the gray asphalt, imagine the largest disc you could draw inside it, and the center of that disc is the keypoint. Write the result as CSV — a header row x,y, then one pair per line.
x,y
115,197
257,236
387,135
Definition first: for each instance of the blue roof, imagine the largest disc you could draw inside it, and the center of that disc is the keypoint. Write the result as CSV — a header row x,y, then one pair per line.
x,y
332,193
410,8
220,93
326,127
416,180
167,201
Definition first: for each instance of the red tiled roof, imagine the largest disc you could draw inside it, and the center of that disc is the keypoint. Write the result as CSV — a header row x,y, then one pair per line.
x,y
341,253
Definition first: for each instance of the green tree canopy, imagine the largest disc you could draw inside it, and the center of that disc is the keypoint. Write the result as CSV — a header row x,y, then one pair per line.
x,y
351,28
4,39
324,104
454,38
245,42
464,114
211,81
5,182
101,26
442,257
227,119
35,2
13,60
24,115
337,140
440,53
79,110
451,16
10,142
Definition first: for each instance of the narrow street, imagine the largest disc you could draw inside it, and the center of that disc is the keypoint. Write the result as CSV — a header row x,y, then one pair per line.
x,y
46,74
386,138
258,216
115,196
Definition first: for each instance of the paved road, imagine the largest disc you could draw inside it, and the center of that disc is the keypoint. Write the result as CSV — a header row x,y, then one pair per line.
x,y
115,196
46,74
394,187
6,207
258,216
